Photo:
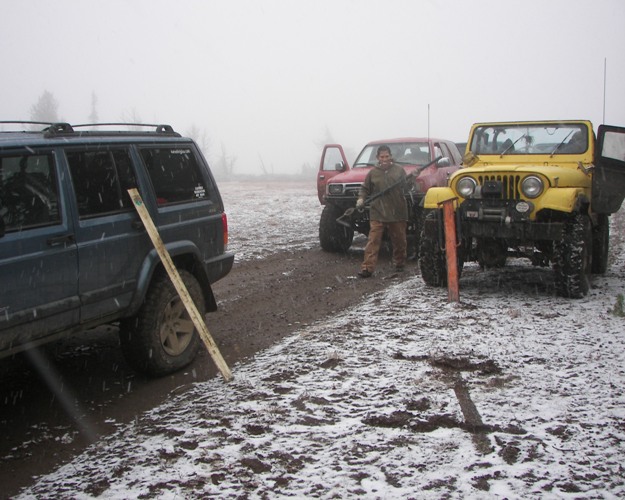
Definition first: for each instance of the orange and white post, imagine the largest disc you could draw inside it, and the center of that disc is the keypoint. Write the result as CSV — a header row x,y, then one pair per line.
x,y
451,250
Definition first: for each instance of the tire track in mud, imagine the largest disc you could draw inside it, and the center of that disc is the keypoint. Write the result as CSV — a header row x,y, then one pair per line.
x,y
471,416
261,302
452,368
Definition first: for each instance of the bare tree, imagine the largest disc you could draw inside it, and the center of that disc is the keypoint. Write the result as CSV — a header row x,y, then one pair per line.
x,y
200,138
45,109
308,169
264,169
131,116
326,139
226,163
93,116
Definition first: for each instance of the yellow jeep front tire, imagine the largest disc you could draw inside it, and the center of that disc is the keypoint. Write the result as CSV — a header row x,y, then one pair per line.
x,y
573,258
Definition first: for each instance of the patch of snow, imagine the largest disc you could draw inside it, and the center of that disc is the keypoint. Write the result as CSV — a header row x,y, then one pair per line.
x,y
510,393
265,218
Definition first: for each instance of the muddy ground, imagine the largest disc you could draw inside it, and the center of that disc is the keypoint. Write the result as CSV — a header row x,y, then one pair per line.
x,y
56,401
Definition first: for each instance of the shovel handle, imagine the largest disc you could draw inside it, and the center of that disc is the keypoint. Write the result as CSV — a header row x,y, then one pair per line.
x,y
401,181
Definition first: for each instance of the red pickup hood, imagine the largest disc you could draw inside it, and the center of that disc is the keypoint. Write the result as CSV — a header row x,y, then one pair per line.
x,y
431,176
354,175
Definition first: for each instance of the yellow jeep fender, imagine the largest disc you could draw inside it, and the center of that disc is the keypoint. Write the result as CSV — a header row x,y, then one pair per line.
x,y
563,199
437,195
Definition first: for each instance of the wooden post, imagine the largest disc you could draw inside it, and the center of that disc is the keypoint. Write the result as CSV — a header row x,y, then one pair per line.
x,y
451,251
196,317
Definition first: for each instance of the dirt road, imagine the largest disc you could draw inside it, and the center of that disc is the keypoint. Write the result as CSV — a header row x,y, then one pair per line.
x,y
55,402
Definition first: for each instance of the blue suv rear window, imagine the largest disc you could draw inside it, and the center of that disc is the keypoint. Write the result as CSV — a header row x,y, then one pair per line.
x,y
175,174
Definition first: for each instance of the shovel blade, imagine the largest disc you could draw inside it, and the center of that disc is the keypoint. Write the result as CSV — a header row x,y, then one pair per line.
x,y
346,218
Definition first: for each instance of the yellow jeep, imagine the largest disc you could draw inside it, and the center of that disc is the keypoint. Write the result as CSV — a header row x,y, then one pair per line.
x,y
542,190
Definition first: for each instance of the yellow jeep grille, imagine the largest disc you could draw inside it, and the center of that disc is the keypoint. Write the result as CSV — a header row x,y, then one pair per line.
x,y
510,185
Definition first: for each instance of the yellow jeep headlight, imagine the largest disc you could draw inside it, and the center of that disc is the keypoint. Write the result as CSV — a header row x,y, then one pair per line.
x,y
532,186
466,187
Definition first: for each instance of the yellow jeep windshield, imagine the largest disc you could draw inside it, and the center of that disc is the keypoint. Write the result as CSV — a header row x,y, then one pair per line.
x,y
530,139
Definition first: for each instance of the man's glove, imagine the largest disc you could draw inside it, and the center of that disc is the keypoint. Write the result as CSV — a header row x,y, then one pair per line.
x,y
412,176
360,204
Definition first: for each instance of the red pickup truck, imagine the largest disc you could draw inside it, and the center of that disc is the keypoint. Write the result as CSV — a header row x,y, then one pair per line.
x,y
338,184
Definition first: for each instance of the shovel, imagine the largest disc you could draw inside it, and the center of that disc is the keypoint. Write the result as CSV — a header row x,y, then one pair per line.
x,y
346,218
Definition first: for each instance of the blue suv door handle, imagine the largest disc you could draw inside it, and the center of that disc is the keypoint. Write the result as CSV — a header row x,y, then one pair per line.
x,y
137,224
60,240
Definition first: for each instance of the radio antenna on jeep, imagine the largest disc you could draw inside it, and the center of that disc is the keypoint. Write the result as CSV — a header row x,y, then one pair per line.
x,y
605,69
428,121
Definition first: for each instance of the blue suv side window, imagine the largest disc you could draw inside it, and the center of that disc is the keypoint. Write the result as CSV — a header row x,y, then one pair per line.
x,y
175,175
28,191
101,180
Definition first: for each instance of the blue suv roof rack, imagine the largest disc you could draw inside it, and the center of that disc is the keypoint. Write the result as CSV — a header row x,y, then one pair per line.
x,y
55,129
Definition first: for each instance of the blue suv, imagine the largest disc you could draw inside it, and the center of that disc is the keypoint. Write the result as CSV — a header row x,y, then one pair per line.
x,y
74,253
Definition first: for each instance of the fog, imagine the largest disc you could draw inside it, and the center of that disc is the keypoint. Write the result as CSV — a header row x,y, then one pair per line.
x,y
267,82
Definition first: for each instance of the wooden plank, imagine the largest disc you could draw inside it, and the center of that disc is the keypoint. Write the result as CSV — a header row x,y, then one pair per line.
x,y
196,317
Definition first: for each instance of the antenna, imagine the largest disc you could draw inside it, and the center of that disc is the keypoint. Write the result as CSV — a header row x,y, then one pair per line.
x,y
605,69
428,121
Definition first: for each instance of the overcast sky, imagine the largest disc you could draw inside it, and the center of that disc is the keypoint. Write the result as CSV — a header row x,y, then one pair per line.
x,y
271,80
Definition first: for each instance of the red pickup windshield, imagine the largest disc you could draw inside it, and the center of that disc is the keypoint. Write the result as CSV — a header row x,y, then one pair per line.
x,y
403,153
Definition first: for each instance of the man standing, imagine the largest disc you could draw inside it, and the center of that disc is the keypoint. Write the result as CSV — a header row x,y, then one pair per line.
x,y
388,211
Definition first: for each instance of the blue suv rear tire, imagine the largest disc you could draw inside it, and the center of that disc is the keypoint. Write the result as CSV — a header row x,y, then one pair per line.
x,y
162,338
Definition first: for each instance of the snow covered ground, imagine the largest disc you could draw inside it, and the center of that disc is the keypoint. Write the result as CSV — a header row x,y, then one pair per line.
x,y
511,393
268,218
